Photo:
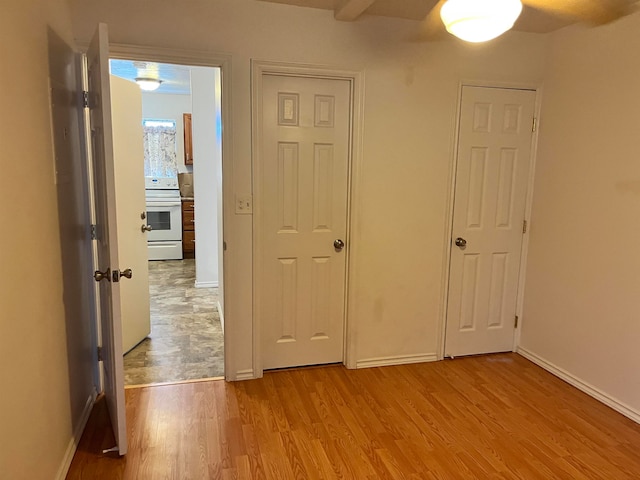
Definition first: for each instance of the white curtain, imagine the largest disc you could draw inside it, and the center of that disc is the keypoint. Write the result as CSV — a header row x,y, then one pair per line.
x,y
160,152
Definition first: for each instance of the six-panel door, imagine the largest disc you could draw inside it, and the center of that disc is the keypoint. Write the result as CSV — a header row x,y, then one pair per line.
x,y
305,166
494,156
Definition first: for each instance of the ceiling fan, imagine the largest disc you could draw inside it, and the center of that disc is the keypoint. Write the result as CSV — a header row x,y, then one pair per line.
x,y
482,20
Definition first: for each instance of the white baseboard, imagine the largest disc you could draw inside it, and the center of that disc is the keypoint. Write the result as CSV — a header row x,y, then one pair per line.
x,y
396,360
75,439
571,379
221,315
244,375
206,284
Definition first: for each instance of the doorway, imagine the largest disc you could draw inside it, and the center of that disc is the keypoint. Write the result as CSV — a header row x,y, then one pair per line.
x,y
491,185
178,126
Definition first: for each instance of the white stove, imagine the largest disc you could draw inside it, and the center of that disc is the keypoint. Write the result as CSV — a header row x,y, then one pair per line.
x,y
161,183
164,215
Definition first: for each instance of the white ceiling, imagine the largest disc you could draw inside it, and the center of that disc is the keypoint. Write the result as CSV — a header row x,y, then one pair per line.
x,y
531,20
176,79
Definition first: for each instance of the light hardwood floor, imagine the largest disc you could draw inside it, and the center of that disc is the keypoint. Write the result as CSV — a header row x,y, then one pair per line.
x,y
488,417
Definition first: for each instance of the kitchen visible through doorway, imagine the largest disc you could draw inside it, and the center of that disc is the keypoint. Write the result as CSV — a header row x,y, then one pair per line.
x,y
180,148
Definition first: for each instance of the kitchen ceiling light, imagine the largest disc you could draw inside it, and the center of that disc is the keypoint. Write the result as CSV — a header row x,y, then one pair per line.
x,y
479,20
148,84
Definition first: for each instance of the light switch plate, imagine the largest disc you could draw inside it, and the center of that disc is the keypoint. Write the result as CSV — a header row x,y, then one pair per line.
x,y
244,204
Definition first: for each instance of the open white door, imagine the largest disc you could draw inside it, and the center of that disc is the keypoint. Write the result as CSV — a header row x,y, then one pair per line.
x,y
106,232
133,252
494,157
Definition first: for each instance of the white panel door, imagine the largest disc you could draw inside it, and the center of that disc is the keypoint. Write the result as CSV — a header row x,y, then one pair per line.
x,y
106,231
305,164
494,157
128,156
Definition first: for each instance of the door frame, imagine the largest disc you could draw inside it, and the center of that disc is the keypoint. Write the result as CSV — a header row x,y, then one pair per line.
x,y
202,59
448,231
260,68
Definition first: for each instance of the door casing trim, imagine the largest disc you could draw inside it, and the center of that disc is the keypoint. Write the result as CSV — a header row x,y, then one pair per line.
x,y
260,68
448,231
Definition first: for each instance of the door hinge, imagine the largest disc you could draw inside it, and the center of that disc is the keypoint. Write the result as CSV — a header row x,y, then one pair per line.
x,y
534,126
85,99
516,322
224,246
93,232
525,226
100,354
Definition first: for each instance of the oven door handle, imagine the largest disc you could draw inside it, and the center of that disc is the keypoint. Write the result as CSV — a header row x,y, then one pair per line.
x,y
162,204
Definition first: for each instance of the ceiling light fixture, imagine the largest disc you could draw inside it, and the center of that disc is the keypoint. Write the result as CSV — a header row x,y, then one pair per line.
x,y
479,20
148,84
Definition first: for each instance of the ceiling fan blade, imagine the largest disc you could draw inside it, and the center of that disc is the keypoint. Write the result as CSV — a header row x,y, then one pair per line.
x,y
432,27
595,12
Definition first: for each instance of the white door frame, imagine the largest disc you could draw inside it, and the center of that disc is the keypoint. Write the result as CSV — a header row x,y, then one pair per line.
x,y
201,59
448,231
355,78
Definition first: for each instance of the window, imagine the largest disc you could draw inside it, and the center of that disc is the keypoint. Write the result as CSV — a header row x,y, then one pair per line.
x,y
159,148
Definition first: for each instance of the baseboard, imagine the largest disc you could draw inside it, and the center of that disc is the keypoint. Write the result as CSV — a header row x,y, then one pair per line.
x,y
206,284
221,315
396,360
571,379
244,375
75,439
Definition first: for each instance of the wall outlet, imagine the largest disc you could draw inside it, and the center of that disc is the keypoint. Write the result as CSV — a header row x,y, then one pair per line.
x,y
244,204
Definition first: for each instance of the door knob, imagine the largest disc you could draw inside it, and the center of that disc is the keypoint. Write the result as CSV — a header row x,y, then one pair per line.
x,y
338,244
461,242
117,274
146,228
106,275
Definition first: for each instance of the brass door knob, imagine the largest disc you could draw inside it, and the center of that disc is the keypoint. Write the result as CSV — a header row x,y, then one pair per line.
x,y
99,276
338,244
146,228
461,242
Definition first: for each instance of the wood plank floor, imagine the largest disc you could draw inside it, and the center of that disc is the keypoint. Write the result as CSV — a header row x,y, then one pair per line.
x,y
488,417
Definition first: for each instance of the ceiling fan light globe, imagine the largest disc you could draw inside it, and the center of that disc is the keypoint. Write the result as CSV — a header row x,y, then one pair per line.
x,y
148,84
479,20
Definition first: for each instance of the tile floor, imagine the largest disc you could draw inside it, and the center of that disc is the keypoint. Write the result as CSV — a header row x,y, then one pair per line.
x,y
186,341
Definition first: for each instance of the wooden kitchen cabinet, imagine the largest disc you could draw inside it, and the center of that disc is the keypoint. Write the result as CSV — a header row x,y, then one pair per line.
x,y
188,139
188,229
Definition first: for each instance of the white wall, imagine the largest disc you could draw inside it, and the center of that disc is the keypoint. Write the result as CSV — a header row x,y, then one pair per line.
x,y
582,298
409,113
45,330
169,107
207,161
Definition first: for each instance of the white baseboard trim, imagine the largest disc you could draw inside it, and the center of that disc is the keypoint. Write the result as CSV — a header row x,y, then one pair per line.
x,y
396,360
75,439
571,379
206,284
245,375
221,314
